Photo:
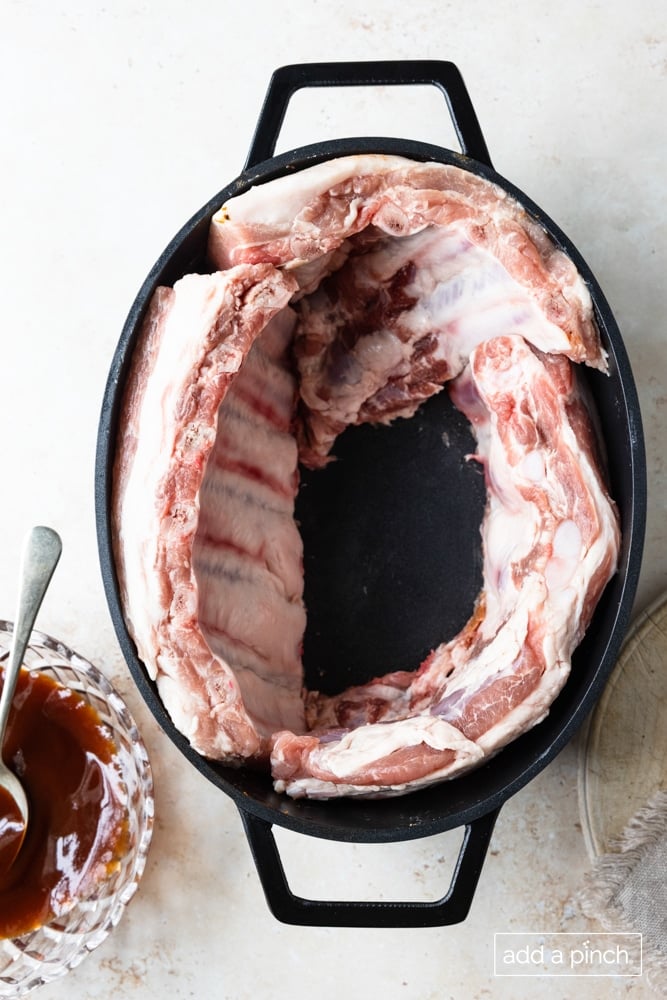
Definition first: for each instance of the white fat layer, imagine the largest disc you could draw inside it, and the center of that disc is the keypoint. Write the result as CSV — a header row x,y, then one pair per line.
x,y
567,550
192,312
184,713
361,748
466,757
498,655
277,203
532,466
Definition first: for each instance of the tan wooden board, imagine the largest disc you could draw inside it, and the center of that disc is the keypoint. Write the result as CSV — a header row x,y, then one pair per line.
x,y
623,749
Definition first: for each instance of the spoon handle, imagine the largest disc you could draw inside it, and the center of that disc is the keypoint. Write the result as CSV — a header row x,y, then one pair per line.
x,y
41,552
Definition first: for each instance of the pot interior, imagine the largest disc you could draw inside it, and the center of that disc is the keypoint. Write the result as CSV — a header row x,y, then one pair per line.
x,y
392,546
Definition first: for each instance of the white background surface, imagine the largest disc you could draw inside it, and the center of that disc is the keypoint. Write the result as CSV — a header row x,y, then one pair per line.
x,y
118,121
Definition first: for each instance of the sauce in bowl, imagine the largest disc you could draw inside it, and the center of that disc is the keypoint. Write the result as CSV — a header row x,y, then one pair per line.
x,y
58,747
11,830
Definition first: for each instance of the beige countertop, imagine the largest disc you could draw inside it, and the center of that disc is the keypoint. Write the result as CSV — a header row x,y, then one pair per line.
x,y
119,121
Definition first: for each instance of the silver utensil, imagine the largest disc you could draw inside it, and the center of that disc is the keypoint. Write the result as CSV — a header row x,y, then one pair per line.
x,y
41,552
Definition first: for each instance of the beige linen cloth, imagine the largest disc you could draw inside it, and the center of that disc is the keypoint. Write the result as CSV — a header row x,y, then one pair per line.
x,y
624,798
627,887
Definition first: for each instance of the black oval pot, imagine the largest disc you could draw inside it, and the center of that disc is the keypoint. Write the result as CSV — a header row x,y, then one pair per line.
x,y
437,557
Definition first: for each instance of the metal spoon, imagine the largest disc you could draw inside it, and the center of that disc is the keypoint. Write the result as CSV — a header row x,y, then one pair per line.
x,y
41,552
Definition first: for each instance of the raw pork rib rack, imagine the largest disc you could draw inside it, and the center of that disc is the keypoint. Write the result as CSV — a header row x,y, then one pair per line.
x,y
349,293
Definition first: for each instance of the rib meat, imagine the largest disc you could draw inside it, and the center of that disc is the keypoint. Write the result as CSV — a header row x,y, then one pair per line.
x,y
193,343
349,293
247,552
394,323
303,222
550,539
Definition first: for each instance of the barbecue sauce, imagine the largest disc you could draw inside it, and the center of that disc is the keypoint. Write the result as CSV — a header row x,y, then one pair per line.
x,y
77,829
11,829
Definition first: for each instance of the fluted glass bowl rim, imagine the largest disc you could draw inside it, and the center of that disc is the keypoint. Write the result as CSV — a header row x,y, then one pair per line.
x,y
22,968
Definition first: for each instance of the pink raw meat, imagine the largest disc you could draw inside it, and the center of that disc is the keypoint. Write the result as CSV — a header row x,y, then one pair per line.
x,y
550,542
193,343
348,293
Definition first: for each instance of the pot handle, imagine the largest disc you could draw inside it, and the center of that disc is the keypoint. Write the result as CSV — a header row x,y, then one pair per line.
x,y
291,909
444,75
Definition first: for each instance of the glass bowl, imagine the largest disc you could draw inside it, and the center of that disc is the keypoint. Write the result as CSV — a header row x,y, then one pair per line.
x,y
45,954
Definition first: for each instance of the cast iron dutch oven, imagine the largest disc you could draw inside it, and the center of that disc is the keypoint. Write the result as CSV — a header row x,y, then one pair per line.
x,y
392,560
